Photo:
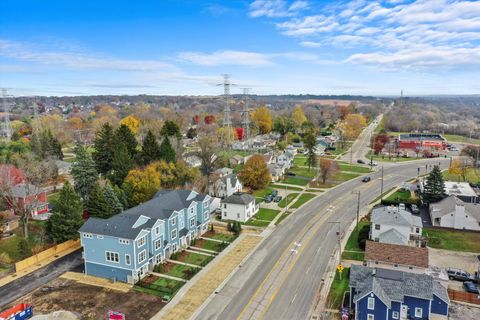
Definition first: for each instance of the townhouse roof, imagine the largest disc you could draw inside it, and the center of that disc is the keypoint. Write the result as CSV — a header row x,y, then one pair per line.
x,y
449,205
393,285
161,206
396,254
392,236
395,216
239,198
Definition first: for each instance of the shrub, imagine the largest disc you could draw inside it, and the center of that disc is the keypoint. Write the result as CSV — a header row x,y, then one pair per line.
x,y
5,259
363,236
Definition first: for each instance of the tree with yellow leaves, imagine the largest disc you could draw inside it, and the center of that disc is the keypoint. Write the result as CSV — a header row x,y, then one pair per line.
x,y
353,125
459,167
262,118
144,183
132,123
298,116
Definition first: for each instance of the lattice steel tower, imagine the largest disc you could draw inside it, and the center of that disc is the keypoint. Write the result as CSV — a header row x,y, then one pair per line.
x,y
227,121
245,115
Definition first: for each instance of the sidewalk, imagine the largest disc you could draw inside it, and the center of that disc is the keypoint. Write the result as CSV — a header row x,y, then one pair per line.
x,y
17,275
211,277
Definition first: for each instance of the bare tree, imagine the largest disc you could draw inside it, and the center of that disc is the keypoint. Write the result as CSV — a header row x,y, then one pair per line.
x,y
23,197
327,168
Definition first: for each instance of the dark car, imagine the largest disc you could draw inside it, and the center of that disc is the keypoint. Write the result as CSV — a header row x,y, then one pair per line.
x,y
360,161
366,179
268,198
291,174
471,287
274,193
277,199
459,275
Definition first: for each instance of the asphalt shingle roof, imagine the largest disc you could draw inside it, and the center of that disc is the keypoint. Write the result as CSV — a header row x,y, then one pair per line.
x,y
396,254
239,198
448,205
393,285
392,236
395,216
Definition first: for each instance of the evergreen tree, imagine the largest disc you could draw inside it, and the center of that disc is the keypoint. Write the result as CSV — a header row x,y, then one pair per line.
x,y
97,205
125,135
150,148
191,133
83,172
121,196
44,145
105,146
167,152
169,129
66,218
112,199
121,164
435,186
310,144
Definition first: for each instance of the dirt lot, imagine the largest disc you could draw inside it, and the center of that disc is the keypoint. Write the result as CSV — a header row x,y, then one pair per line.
x,y
92,302
459,311
453,259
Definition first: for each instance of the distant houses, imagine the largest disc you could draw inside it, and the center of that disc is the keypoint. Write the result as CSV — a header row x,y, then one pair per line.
x,y
128,245
226,184
33,198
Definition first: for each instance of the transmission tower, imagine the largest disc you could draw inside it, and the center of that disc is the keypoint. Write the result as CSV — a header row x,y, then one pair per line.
x,y
227,121
7,128
245,115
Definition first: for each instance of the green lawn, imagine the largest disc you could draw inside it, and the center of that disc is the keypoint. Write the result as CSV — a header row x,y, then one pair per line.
x,y
257,223
299,160
344,176
455,240
181,271
161,287
220,236
302,199
304,172
261,193
266,214
383,195
401,196
209,245
352,168
280,187
10,247
473,175
296,181
349,255
457,138
283,203
338,288
196,258
352,243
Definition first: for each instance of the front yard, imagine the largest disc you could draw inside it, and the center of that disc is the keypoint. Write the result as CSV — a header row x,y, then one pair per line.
x,y
352,250
177,270
455,240
305,197
210,245
401,196
194,258
473,176
338,288
285,201
157,286
262,218
296,181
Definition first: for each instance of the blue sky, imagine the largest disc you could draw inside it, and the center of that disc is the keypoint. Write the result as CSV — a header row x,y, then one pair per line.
x,y
273,46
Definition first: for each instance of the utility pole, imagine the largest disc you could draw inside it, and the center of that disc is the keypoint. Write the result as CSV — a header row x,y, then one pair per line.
x,y
358,207
339,238
381,188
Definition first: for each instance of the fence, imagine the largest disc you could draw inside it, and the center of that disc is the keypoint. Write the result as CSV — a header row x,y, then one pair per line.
x,y
463,296
169,290
39,257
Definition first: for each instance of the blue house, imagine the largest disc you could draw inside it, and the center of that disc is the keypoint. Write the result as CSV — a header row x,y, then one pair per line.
x,y
128,245
382,294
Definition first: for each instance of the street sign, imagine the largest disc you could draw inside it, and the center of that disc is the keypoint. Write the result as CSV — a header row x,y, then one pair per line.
x,y
340,268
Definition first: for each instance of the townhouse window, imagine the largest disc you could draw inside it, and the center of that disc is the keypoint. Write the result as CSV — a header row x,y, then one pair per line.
x,y
142,256
395,315
371,304
123,241
192,223
88,236
174,221
417,230
174,234
418,312
205,205
112,256
370,317
224,214
205,215
377,227
141,241
225,206
157,230
192,210
158,244
127,259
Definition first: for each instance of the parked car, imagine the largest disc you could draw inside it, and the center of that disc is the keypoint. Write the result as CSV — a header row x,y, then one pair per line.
x,y
401,206
274,193
360,161
459,275
471,287
415,209
366,179
373,164
277,199
291,174
268,198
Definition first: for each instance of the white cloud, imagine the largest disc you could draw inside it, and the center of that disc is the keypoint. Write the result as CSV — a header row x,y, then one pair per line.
x,y
276,8
226,57
22,52
310,44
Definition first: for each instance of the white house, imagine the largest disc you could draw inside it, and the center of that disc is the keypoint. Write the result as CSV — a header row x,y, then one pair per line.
x,y
396,226
462,190
239,207
225,186
452,212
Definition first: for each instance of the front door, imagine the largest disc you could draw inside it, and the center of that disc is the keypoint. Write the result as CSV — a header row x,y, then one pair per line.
x,y
403,312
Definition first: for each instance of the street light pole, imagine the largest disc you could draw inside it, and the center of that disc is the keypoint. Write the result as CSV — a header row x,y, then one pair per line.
x,y
381,188
339,237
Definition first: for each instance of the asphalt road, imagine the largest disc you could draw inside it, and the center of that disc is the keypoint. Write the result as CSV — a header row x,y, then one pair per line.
x,y
360,146
27,284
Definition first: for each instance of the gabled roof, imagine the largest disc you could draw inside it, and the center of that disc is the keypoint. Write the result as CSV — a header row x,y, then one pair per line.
x,y
239,198
449,204
396,254
392,236
395,216
393,285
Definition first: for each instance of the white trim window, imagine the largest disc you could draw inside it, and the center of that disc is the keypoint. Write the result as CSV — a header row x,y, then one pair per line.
x,y
205,215
123,241
88,235
370,317
395,315
127,259
174,234
157,230
141,242
418,312
142,256
111,256
174,221
158,244
192,223
371,304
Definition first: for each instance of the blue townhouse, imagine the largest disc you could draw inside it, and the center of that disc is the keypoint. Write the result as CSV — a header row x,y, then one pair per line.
x,y
127,246
382,294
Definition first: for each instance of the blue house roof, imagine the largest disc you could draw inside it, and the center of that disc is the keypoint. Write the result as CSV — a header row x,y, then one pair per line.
x,y
161,206
393,285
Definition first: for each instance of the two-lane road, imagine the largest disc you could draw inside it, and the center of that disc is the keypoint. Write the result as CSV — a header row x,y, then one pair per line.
x,y
282,277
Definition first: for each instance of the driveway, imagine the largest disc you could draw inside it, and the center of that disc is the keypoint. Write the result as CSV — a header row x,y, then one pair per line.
x,y
26,284
425,216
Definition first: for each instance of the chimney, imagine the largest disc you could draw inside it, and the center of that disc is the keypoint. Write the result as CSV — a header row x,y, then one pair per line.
x,y
374,272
